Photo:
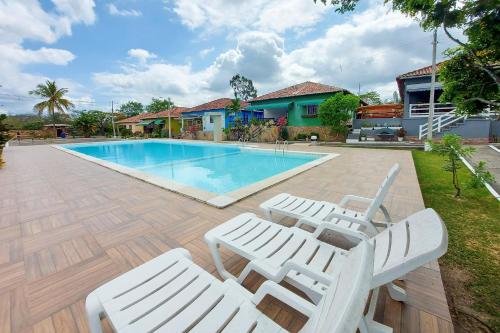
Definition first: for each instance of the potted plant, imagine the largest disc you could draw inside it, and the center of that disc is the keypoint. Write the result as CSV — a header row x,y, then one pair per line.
x,y
401,134
362,136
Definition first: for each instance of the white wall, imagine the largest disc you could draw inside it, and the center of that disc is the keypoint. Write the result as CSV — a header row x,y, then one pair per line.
x,y
207,125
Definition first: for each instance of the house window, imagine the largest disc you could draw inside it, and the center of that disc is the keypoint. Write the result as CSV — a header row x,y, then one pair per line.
x,y
211,120
311,110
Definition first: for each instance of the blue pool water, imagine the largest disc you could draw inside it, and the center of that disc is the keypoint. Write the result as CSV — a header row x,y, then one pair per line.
x,y
215,168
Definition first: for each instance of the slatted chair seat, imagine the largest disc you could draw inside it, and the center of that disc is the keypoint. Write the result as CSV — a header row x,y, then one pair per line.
x,y
281,253
172,294
313,212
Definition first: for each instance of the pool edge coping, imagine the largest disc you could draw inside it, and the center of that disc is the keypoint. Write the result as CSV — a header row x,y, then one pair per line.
x,y
210,198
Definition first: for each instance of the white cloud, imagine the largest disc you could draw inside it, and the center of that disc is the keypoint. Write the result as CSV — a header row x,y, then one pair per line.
x,y
141,54
370,49
22,20
205,52
276,16
113,10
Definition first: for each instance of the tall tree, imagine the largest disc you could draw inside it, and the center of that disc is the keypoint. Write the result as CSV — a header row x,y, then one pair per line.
x,y
131,108
371,97
54,100
159,104
243,88
471,78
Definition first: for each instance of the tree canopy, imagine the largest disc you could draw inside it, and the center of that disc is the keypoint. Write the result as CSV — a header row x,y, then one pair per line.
x,y
337,110
243,88
131,108
53,100
371,97
471,77
159,104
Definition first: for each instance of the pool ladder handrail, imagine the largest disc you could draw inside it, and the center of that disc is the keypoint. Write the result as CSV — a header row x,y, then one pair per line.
x,y
279,143
243,141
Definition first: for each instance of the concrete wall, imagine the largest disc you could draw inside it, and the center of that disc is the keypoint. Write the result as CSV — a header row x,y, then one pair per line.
x,y
495,128
471,129
390,122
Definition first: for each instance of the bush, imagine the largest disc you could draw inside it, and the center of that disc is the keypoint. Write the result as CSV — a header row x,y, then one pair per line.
x,y
301,136
33,125
284,133
337,110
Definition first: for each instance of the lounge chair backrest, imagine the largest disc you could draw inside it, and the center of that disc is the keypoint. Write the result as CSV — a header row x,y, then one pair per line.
x,y
382,192
341,309
407,245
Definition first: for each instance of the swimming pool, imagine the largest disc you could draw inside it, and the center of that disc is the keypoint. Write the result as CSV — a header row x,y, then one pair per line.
x,y
218,169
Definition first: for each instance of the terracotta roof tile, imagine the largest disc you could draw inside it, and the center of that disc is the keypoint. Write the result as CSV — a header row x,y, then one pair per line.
x,y
220,103
175,112
424,71
134,119
301,89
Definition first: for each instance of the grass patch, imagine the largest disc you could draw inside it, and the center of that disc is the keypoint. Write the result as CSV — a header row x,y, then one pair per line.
x,y
473,223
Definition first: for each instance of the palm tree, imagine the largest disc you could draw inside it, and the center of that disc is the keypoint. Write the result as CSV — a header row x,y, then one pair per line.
x,y
53,100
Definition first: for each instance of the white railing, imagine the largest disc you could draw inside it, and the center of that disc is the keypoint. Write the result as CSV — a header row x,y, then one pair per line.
x,y
422,109
439,122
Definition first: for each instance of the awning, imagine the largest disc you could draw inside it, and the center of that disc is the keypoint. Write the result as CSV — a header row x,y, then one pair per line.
x,y
311,102
268,106
159,122
422,87
145,122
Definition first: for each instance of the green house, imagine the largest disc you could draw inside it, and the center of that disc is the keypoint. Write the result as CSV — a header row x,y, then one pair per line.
x,y
298,103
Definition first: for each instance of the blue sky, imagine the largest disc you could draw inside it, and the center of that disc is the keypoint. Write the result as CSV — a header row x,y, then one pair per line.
x,y
188,50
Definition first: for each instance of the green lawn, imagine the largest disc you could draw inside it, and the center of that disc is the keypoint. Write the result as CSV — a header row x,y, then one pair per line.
x,y
473,223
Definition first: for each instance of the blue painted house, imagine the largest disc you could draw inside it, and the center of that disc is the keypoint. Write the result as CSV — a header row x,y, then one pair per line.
x,y
201,116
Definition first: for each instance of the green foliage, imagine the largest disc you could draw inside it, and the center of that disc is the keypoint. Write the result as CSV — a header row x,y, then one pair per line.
x,y
473,233
33,125
371,97
301,136
3,130
234,107
481,176
131,108
53,100
243,88
159,104
451,148
86,123
336,111
341,6
471,78
284,133
125,132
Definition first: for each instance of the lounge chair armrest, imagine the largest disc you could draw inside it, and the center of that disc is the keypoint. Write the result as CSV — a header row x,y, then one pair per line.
x,y
344,231
352,219
278,275
351,197
286,296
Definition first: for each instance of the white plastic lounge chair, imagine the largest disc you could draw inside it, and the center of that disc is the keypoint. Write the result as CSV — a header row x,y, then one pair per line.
x,y
312,212
292,254
172,294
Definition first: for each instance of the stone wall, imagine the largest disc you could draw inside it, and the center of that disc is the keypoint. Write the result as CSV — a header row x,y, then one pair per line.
x,y
325,134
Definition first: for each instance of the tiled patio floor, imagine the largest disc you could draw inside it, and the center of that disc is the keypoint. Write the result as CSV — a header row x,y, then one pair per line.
x,y
68,225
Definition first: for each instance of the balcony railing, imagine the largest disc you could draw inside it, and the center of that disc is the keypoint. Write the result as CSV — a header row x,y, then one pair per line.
x,y
422,109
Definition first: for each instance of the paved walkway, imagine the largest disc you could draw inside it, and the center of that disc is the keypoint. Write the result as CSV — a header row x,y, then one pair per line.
x,y
492,159
68,225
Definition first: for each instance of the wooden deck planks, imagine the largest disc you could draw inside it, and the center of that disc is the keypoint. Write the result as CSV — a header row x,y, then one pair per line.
x,y
58,245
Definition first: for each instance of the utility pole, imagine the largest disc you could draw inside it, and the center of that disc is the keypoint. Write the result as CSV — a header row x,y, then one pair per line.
x,y
169,125
113,119
433,85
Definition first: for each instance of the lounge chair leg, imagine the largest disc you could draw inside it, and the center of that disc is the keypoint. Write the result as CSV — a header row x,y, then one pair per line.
x,y
94,310
397,293
369,325
268,214
214,250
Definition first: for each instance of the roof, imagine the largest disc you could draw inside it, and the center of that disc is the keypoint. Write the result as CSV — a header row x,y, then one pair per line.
x,y
301,89
175,112
220,103
421,72
57,125
424,71
134,119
